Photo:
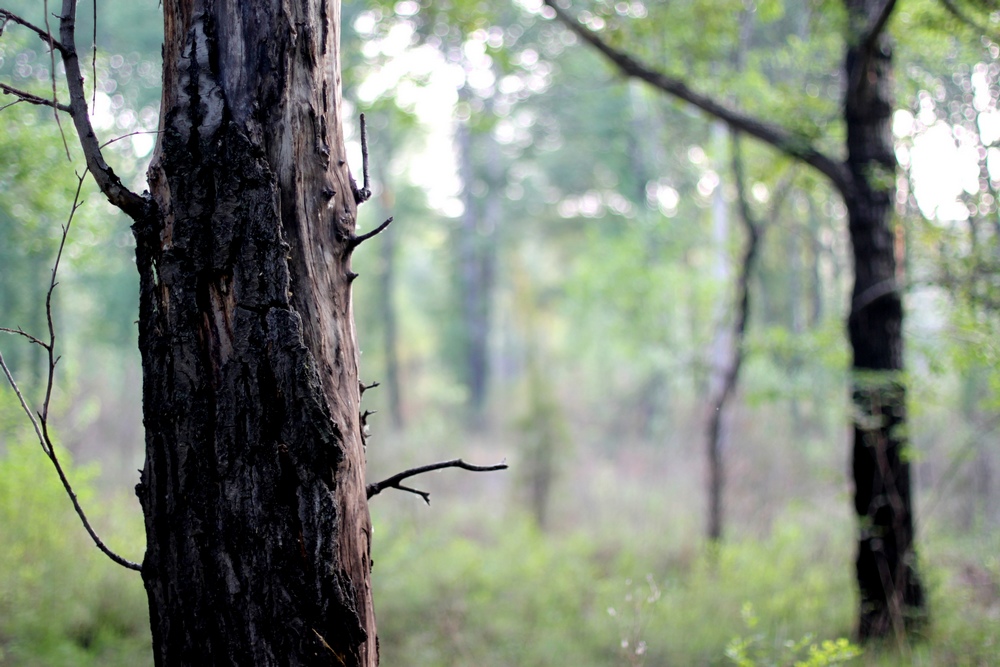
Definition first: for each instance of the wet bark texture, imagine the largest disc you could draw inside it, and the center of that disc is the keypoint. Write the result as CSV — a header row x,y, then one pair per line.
x,y
891,594
253,488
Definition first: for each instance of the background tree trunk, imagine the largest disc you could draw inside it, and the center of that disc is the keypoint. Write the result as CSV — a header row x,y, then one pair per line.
x,y
477,257
891,594
254,483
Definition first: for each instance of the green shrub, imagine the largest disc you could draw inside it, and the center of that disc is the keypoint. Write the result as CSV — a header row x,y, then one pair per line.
x,y
62,602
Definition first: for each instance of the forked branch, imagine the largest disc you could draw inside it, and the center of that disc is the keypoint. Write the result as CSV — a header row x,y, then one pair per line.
x,y
43,34
30,98
355,241
394,481
40,420
789,143
133,205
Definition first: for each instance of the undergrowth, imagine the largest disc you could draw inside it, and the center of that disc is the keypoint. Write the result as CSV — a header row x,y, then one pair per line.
x,y
456,589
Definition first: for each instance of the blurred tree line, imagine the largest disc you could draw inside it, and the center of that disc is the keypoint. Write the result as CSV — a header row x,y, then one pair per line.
x,y
564,262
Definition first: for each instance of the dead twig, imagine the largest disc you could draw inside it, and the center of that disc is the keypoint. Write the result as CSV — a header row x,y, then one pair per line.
x,y
355,241
30,98
365,193
394,481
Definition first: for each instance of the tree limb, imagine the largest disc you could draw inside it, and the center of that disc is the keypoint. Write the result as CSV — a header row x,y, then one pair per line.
x,y
876,25
6,15
781,138
355,241
133,205
365,192
954,10
40,422
25,96
394,481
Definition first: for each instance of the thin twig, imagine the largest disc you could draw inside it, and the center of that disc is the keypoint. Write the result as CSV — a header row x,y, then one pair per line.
x,y
40,422
135,206
93,61
7,106
24,334
55,98
30,98
24,404
365,193
7,15
394,481
130,134
355,241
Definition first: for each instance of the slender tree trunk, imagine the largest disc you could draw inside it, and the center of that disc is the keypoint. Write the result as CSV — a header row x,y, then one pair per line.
x,y
387,312
477,257
253,487
891,594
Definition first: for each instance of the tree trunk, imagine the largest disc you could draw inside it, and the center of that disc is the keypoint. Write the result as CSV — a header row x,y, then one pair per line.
x,y
891,594
477,257
253,488
387,313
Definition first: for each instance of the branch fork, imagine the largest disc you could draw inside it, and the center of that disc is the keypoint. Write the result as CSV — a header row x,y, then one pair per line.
x,y
394,481
40,420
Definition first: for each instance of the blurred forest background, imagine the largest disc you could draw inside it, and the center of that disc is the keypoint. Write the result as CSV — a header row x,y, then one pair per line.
x,y
559,289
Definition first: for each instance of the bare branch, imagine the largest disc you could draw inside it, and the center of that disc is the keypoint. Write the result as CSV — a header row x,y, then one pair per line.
x,y
6,15
93,60
40,422
10,104
876,24
365,193
25,96
394,481
133,205
793,145
130,134
24,404
355,241
55,97
24,334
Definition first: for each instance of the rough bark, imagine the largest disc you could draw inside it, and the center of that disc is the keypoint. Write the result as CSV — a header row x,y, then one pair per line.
x,y
253,487
891,594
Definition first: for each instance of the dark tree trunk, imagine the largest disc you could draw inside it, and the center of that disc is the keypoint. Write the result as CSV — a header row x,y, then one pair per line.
x,y
253,487
891,594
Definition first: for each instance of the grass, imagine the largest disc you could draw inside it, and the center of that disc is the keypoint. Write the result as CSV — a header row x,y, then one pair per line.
x,y
472,584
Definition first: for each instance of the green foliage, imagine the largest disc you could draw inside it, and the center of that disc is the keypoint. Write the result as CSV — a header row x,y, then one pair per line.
x,y
62,602
755,650
461,589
